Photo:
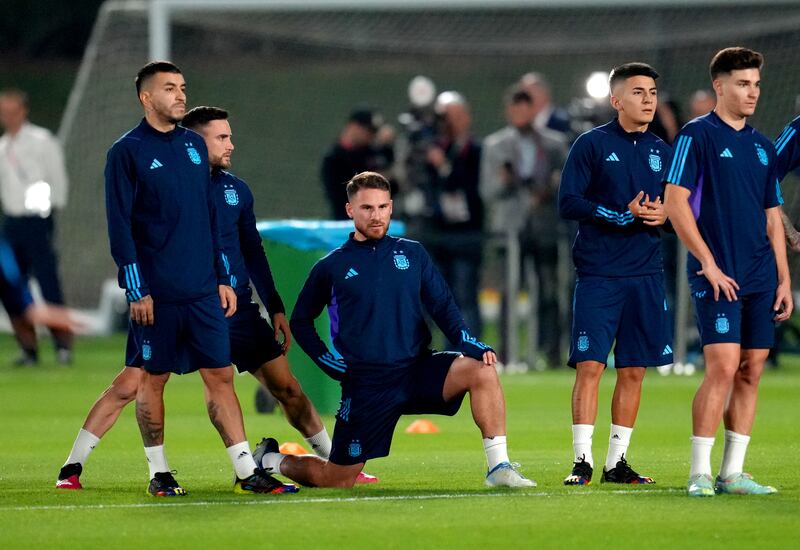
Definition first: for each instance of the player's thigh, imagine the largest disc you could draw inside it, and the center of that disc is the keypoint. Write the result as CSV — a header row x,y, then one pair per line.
x,y
718,321
438,382
644,337
159,344
252,340
596,310
206,334
758,321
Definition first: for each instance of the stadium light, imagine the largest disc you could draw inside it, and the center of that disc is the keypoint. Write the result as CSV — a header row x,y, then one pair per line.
x,y
597,85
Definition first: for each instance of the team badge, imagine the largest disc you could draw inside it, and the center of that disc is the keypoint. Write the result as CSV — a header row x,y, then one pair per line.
x,y
354,449
722,325
147,353
655,162
401,262
194,156
231,197
762,155
583,342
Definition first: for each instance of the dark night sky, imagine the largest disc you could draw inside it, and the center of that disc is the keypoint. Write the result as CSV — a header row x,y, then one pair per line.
x,y
46,28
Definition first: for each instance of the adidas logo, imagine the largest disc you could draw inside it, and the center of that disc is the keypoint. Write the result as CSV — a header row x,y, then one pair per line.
x,y
726,154
667,351
351,273
612,158
242,455
155,164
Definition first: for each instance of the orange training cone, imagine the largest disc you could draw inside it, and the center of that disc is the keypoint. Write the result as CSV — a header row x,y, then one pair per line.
x,y
422,426
292,448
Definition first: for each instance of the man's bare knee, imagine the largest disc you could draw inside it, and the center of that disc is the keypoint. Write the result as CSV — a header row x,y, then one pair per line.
x,y
217,378
124,387
342,477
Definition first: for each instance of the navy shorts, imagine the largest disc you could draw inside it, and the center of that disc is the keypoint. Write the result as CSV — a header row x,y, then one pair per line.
x,y
184,338
368,412
252,338
629,310
748,321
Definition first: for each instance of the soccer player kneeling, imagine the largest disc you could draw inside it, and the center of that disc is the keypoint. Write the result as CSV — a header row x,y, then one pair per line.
x,y
377,288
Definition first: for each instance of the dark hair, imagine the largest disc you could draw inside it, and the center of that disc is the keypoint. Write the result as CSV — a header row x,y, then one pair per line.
x,y
200,116
628,70
366,180
518,94
734,59
147,72
17,94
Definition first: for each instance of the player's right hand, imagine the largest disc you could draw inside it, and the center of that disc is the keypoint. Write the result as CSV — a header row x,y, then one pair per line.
x,y
227,299
142,311
720,282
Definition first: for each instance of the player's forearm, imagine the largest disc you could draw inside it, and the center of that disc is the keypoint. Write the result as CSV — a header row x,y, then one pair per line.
x,y
681,216
305,334
776,234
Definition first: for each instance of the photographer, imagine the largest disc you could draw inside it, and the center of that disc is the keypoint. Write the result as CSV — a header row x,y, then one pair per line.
x,y
519,183
364,144
456,226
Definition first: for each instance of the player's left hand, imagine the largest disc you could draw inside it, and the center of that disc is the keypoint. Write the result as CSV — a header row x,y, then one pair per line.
x,y
281,326
489,358
784,304
654,212
227,299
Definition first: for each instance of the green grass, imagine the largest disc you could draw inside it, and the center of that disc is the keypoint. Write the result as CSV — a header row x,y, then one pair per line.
x,y
431,492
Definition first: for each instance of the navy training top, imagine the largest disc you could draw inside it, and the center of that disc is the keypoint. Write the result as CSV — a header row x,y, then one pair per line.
x,y
375,291
161,216
731,176
606,168
242,242
787,149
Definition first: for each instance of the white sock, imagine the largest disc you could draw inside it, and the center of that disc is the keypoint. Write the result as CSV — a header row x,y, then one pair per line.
x,y
271,462
701,455
243,463
320,444
582,442
733,454
156,460
84,444
496,450
617,444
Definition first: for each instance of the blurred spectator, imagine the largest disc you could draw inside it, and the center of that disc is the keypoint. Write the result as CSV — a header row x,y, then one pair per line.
x,y
364,144
33,185
701,103
456,237
667,121
546,115
520,173
420,130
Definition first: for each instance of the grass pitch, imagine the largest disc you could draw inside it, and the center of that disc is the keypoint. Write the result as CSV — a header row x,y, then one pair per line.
x,y
431,493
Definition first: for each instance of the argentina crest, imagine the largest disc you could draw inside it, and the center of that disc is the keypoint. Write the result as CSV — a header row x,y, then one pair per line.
x,y
146,352
722,325
583,342
231,197
401,262
194,156
655,162
354,449
762,155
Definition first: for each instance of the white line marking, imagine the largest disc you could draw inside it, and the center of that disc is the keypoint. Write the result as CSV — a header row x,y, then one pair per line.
x,y
288,499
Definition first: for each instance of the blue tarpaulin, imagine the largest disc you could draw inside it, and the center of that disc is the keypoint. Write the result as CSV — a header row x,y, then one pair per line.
x,y
314,234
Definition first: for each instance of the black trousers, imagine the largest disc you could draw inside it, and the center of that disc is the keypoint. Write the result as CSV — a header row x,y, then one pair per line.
x,y
31,238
